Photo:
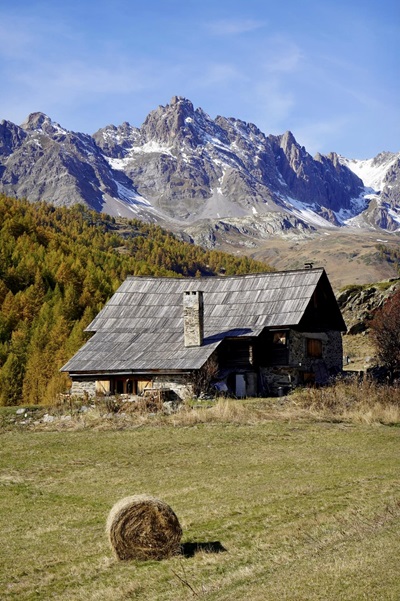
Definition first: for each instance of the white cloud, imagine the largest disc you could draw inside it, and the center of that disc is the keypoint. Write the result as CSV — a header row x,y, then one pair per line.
x,y
218,74
227,27
331,80
57,88
17,39
76,78
26,37
273,104
314,134
283,57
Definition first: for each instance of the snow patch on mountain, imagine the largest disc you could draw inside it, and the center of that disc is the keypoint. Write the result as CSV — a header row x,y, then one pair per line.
x,y
131,197
394,215
304,212
358,205
379,203
372,171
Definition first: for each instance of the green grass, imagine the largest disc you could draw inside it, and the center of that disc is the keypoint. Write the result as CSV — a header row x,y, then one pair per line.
x,y
304,510
353,288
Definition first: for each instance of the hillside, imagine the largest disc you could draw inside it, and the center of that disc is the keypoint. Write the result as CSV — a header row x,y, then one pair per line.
x,y
348,256
58,266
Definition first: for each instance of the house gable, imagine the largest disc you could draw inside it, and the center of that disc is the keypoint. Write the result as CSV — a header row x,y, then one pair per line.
x,y
322,312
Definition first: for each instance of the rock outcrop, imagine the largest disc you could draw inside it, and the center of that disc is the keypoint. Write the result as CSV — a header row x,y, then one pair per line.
x,y
358,304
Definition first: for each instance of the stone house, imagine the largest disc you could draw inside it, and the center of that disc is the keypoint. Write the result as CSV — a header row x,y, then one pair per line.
x,y
252,335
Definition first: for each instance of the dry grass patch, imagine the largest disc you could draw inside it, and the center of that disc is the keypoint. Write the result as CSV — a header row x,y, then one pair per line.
x,y
351,400
360,350
220,411
354,400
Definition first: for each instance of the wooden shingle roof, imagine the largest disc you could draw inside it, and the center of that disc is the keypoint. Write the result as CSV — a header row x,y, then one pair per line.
x,y
141,326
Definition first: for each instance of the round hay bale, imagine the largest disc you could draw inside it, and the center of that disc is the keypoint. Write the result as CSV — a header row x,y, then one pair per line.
x,y
143,527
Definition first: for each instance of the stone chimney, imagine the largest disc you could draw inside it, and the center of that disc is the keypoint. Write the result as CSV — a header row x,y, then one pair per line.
x,y
193,318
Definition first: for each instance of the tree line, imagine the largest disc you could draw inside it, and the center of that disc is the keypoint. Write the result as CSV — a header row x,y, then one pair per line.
x,y
58,267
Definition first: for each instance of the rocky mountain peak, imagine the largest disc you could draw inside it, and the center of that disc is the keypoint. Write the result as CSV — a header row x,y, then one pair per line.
x,y
11,138
334,158
39,122
171,124
286,146
182,102
36,121
315,181
115,141
181,166
383,158
287,141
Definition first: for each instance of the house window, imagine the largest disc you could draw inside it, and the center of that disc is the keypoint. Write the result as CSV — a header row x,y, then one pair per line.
x,y
279,338
314,348
280,348
236,354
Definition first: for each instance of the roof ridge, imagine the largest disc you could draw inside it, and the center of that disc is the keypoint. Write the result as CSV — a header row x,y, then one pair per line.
x,y
224,277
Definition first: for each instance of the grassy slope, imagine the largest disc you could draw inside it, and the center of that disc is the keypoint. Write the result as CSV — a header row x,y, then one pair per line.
x,y
348,257
304,510
360,350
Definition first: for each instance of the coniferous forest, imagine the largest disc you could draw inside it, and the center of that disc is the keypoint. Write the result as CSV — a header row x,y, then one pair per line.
x,y
58,266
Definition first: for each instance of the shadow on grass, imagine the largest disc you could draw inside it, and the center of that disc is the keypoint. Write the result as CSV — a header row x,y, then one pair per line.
x,y
190,549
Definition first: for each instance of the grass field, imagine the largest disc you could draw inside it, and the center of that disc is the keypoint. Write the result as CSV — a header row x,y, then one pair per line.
x,y
271,509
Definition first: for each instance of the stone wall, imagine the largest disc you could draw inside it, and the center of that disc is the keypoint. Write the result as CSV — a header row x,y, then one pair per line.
x,y
280,379
178,384
193,318
332,349
85,389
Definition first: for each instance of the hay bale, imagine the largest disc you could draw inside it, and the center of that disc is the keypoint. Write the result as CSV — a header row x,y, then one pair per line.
x,y
143,527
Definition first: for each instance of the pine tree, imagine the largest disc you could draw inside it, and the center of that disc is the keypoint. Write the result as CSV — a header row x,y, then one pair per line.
x,y
11,376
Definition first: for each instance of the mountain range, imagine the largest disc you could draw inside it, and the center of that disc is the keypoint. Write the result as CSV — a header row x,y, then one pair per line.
x,y
216,182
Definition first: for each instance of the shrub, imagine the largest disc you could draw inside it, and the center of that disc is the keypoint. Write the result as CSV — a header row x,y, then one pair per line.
x,y
385,332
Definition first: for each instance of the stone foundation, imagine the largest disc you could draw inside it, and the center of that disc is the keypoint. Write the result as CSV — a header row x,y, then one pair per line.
x,y
179,385
85,389
91,388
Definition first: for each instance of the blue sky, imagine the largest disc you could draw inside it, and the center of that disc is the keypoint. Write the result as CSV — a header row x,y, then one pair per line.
x,y
327,70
